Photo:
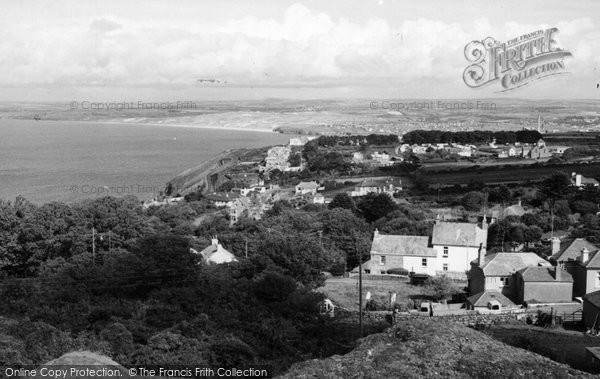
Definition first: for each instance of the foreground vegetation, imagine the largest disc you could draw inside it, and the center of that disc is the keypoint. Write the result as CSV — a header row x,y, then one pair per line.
x,y
431,347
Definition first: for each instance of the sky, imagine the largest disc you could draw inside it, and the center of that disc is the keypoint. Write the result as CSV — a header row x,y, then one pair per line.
x,y
158,50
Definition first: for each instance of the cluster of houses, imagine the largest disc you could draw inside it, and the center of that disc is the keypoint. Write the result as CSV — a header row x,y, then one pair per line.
x,y
448,251
376,159
501,280
537,151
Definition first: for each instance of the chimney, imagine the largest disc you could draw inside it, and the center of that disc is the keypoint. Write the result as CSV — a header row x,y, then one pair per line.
x,y
215,241
437,218
519,201
578,180
558,272
481,254
555,245
585,255
484,223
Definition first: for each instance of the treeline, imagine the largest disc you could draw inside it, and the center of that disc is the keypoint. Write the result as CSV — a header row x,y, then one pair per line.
x,y
369,140
108,276
473,137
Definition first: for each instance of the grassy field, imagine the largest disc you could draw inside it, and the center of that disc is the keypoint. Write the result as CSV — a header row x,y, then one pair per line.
x,y
507,175
344,291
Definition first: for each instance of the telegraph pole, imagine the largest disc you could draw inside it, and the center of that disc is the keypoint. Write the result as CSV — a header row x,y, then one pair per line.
x,y
360,305
93,246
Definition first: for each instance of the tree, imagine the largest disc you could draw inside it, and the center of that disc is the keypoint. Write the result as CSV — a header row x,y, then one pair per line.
x,y
342,200
375,206
473,201
500,194
556,186
440,287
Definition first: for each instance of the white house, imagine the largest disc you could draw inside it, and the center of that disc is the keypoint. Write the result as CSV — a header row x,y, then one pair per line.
x,y
449,250
307,187
216,254
367,186
382,159
411,253
457,244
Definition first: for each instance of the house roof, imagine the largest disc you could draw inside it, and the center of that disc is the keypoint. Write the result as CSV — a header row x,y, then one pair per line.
x,y
592,181
226,197
458,234
570,250
544,274
514,210
307,185
365,264
505,264
402,245
216,253
593,298
379,183
483,298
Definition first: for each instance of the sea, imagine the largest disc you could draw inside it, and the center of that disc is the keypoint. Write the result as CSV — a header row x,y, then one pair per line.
x,y
68,161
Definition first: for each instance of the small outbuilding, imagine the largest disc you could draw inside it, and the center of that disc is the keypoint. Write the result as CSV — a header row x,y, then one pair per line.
x,y
489,300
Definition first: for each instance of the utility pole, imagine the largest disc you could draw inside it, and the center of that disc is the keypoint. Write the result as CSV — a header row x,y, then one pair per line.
x,y
360,301
93,246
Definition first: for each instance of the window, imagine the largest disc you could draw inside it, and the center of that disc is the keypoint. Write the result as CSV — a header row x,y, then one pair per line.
x,y
445,252
382,260
504,280
445,267
424,262
597,279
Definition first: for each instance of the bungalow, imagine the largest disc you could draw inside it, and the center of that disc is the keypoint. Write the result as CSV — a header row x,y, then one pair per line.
x,y
307,187
544,285
411,253
216,254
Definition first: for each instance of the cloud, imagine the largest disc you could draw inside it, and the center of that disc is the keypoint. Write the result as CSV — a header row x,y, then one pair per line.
x,y
299,46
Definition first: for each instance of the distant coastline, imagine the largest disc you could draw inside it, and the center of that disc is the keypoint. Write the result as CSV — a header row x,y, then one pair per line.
x,y
195,126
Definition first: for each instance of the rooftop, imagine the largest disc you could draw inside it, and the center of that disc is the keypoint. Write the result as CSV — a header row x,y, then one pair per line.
x,y
458,234
483,298
544,274
505,264
593,298
402,245
571,249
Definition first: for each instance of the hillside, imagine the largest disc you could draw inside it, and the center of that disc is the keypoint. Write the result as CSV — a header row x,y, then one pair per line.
x,y
199,176
432,348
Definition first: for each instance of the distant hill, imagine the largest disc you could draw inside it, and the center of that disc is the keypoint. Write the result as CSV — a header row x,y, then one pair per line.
x,y
432,348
